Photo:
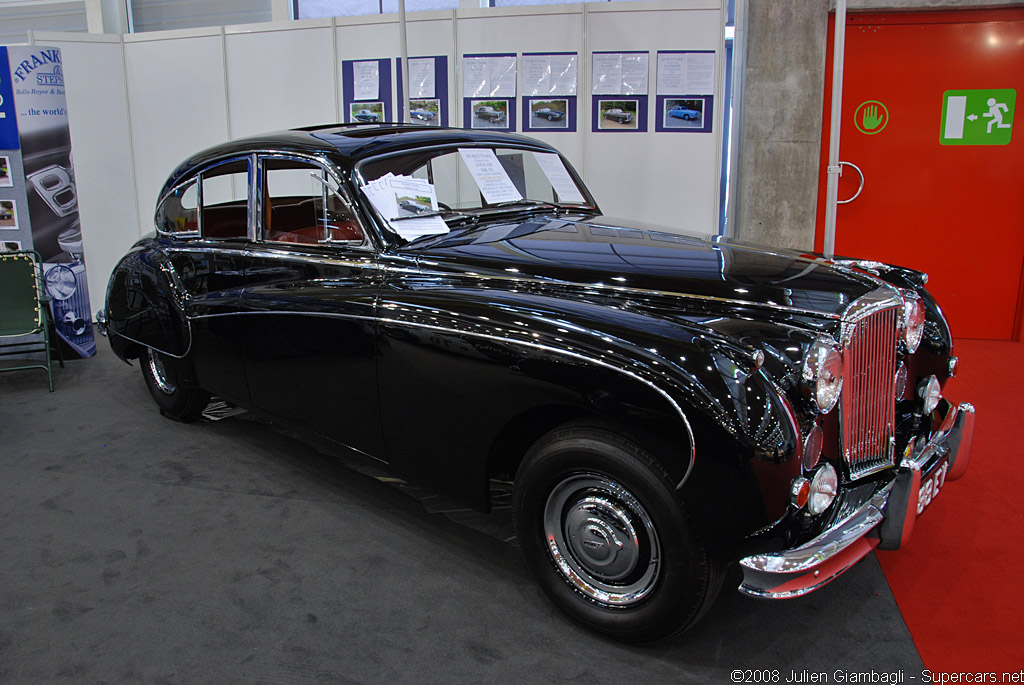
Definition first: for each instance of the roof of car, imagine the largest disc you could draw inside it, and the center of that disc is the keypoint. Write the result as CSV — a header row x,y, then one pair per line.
x,y
345,144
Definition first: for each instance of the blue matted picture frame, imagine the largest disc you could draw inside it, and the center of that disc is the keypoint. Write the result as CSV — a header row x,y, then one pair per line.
x,y
383,88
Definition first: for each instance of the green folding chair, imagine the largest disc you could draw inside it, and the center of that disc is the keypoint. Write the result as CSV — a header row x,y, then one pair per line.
x,y
24,309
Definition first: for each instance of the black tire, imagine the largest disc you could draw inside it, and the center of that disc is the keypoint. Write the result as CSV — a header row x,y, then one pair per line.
x,y
163,380
600,526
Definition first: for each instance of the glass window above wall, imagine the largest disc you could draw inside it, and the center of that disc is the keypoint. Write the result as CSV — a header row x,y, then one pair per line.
x,y
313,9
17,20
163,15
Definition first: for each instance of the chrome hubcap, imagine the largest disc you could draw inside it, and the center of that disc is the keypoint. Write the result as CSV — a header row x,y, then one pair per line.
x,y
159,373
601,539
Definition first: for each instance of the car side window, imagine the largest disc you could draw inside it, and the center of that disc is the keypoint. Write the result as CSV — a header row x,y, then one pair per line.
x,y
298,206
179,211
225,200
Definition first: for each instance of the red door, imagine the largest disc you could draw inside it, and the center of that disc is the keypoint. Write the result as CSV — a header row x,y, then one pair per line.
x,y
929,116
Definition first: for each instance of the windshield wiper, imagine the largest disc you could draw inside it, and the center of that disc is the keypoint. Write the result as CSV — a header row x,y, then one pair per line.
x,y
524,204
446,213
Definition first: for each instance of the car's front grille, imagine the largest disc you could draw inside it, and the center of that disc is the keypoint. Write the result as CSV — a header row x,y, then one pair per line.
x,y
869,376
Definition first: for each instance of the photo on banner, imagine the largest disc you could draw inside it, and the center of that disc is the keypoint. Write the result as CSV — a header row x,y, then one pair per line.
x,y
619,91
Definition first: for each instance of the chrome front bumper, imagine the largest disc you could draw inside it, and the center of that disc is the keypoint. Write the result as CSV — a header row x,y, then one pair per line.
x,y
886,519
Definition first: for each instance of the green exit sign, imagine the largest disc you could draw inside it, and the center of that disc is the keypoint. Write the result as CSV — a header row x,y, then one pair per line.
x,y
977,117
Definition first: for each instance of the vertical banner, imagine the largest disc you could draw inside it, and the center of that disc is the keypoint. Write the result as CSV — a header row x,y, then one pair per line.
x,y
45,182
428,90
366,90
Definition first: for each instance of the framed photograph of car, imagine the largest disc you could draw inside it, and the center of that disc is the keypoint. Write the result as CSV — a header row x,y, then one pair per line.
x,y
649,421
6,179
549,114
619,113
493,113
425,112
8,215
684,114
366,112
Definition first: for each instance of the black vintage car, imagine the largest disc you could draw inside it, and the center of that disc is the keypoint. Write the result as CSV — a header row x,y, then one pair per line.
x,y
663,405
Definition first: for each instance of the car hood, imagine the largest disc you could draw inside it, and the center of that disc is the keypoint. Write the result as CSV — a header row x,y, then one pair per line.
x,y
615,254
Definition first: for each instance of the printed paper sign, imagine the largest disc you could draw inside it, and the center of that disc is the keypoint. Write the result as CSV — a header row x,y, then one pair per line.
x,y
552,166
401,200
421,77
490,176
489,76
365,80
617,73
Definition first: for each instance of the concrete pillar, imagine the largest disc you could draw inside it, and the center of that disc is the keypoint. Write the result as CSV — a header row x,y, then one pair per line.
x,y
780,135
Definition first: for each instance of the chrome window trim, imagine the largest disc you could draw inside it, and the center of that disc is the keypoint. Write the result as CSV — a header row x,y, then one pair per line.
x,y
486,336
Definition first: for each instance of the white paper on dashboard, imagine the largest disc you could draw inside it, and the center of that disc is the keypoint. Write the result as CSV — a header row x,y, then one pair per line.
x,y
552,166
491,178
421,77
700,73
365,80
503,77
607,70
476,74
672,73
536,75
634,74
387,194
563,75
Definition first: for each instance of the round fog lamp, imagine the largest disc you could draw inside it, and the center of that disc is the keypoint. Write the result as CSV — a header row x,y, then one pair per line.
x,y
824,487
930,393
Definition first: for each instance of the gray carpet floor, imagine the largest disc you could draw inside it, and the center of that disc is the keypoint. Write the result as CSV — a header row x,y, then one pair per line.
x,y
133,548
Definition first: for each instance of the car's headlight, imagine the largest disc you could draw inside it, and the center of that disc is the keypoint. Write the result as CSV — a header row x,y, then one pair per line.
x,y
823,373
913,321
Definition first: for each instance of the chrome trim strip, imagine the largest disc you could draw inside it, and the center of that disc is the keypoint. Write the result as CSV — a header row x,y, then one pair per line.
x,y
485,336
799,569
620,289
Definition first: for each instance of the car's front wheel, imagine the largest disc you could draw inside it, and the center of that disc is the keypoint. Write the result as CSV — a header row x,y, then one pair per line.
x,y
162,374
600,526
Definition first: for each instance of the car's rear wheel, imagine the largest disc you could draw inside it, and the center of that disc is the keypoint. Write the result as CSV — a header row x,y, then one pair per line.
x,y
599,524
163,378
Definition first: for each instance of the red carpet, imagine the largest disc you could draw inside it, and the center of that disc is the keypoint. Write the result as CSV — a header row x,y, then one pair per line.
x,y
960,581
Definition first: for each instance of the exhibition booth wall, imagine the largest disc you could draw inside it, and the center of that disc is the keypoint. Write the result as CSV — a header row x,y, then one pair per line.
x,y
139,104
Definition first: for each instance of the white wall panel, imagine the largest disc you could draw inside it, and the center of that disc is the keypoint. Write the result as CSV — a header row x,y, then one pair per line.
x,y
280,79
98,117
177,103
664,178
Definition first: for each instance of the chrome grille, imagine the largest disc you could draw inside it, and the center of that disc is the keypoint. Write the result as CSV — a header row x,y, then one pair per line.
x,y
869,376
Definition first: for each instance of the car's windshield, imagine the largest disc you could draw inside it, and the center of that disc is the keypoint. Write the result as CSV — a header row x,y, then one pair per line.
x,y
481,178
425,192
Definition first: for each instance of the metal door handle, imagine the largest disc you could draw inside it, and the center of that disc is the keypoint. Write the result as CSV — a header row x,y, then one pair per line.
x,y
861,174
